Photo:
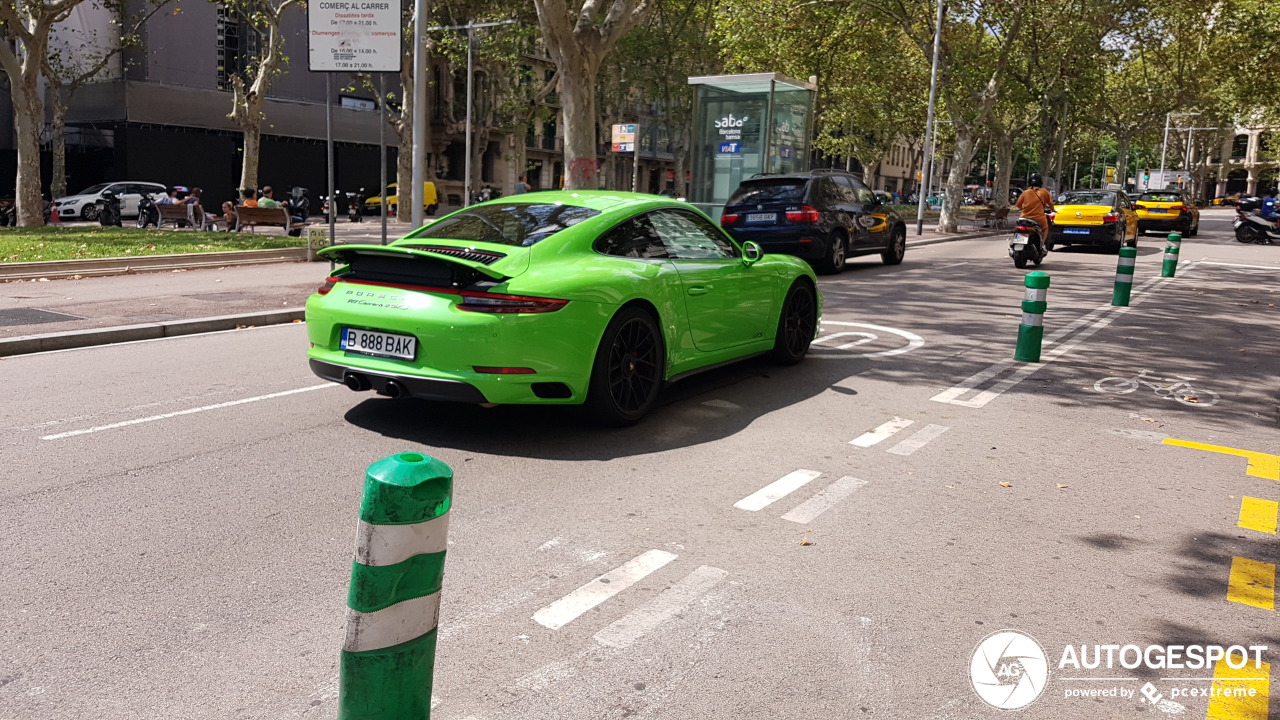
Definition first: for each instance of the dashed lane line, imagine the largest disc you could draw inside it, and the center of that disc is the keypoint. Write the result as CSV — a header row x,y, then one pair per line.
x,y
883,432
827,498
1252,582
1258,514
568,608
1232,698
635,624
918,440
776,490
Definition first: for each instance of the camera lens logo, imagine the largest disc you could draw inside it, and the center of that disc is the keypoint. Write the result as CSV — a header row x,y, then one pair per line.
x,y
1009,670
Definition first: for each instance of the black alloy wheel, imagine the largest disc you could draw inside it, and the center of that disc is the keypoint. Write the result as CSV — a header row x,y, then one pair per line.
x,y
797,324
897,247
628,369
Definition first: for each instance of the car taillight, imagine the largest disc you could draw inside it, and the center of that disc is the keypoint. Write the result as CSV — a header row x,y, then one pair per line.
x,y
729,219
326,286
1111,217
1180,208
1052,216
805,214
494,303
490,370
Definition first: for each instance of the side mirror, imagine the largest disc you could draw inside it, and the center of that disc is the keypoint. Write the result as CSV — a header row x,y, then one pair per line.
x,y
751,253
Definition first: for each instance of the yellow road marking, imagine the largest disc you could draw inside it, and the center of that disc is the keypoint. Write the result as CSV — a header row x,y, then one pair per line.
x,y
1258,514
1252,582
1263,465
1231,700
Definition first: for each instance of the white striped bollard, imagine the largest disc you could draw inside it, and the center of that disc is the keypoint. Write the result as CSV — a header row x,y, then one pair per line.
x,y
1124,276
1031,331
1170,267
388,658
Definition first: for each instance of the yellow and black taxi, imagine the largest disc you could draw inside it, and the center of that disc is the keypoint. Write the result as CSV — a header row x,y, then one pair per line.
x,y
1093,217
1167,210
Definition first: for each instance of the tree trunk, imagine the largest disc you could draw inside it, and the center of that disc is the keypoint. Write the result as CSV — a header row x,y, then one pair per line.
x,y
58,143
578,103
1004,170
251,126
28,113
1122,158
966,143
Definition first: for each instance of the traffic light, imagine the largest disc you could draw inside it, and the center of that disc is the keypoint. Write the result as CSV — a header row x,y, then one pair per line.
x,y
1146,175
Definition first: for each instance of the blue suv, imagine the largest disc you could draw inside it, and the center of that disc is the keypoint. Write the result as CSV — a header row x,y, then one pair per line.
x,y
823,216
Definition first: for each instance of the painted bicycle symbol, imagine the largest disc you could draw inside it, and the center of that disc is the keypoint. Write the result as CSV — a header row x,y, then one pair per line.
x,y
1174,388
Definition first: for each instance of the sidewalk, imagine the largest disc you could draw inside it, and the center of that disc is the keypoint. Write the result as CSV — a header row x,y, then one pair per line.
x,y
54,314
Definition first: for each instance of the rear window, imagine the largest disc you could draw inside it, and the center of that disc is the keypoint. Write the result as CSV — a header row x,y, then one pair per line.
x,y
519,224
1087,198
753,193
1160,197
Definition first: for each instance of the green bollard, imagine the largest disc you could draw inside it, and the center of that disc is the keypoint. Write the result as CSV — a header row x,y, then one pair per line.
x,y
1170,267
1031,331
388,657
1124,276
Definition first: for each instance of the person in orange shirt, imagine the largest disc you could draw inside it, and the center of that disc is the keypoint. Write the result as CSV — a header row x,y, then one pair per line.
x,y
250,198
1035,203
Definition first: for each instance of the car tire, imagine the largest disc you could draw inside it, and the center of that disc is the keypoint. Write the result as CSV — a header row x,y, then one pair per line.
x,y
897,247
90,213
833,261
1048,247
628,370
1194,230
797,323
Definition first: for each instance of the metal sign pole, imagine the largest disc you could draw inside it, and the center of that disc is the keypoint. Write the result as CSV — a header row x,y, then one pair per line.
x,y
328,134
635,159
382,150
471,74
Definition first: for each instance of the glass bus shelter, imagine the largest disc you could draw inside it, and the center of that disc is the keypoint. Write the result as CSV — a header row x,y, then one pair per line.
x,y
743,125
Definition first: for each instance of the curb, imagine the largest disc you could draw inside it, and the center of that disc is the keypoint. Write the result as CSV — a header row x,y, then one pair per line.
x,y
149,331
146,263
953,238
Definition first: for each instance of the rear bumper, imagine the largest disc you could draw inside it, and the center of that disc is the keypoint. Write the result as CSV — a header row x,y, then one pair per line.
x,y
1160,223
419,387
1104,234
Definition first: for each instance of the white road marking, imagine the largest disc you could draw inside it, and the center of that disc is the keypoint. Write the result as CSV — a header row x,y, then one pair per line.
x,y
805,512
550,544
1238,265
913,341
188,411
881,433
722,404
866,338
671,601
918,440
1099,317
566,609
776,490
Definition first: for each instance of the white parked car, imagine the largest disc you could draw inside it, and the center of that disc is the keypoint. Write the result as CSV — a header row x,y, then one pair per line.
x,y
84,204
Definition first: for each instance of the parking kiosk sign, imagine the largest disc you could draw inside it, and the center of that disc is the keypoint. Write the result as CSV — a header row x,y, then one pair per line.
x,y
351,35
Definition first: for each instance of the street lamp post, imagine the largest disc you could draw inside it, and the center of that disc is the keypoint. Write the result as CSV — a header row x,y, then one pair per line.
x,y
927,171
1164,147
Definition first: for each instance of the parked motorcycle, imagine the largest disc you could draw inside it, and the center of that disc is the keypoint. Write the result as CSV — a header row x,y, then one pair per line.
x,y
1251,227
148,213
355,205
299,206
109,209
1026,243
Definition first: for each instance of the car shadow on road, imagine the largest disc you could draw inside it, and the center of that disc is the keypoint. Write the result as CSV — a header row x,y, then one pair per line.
x,y
710,406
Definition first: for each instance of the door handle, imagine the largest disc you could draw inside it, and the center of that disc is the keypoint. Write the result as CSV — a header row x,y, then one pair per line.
x,y
699,290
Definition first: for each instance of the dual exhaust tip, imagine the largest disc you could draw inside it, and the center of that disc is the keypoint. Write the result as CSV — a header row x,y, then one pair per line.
x,y
360,383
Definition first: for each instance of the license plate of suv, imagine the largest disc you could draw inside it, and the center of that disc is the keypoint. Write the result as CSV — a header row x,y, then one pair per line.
x,y
372,342
762,217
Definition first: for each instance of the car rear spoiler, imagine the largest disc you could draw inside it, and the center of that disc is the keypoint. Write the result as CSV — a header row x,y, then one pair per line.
x,y
346,254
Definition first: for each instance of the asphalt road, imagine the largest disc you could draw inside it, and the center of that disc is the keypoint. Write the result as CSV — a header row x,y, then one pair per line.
x,y
179,514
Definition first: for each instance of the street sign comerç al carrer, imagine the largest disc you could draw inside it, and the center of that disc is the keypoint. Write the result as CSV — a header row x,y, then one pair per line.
x,y
354,36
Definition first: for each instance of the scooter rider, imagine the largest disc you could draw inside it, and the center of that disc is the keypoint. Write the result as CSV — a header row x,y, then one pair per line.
x,y
1268,209
1035,203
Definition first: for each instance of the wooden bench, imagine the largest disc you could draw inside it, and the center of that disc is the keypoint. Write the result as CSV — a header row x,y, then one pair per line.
x,y
179,215
1001,218
249,218
983,216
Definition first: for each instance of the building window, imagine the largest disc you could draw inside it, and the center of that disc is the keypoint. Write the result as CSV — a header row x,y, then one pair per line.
x,y
1239,147
237,42
549,135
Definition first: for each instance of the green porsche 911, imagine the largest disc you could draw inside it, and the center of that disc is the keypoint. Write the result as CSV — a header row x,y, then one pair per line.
x,y
556,298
